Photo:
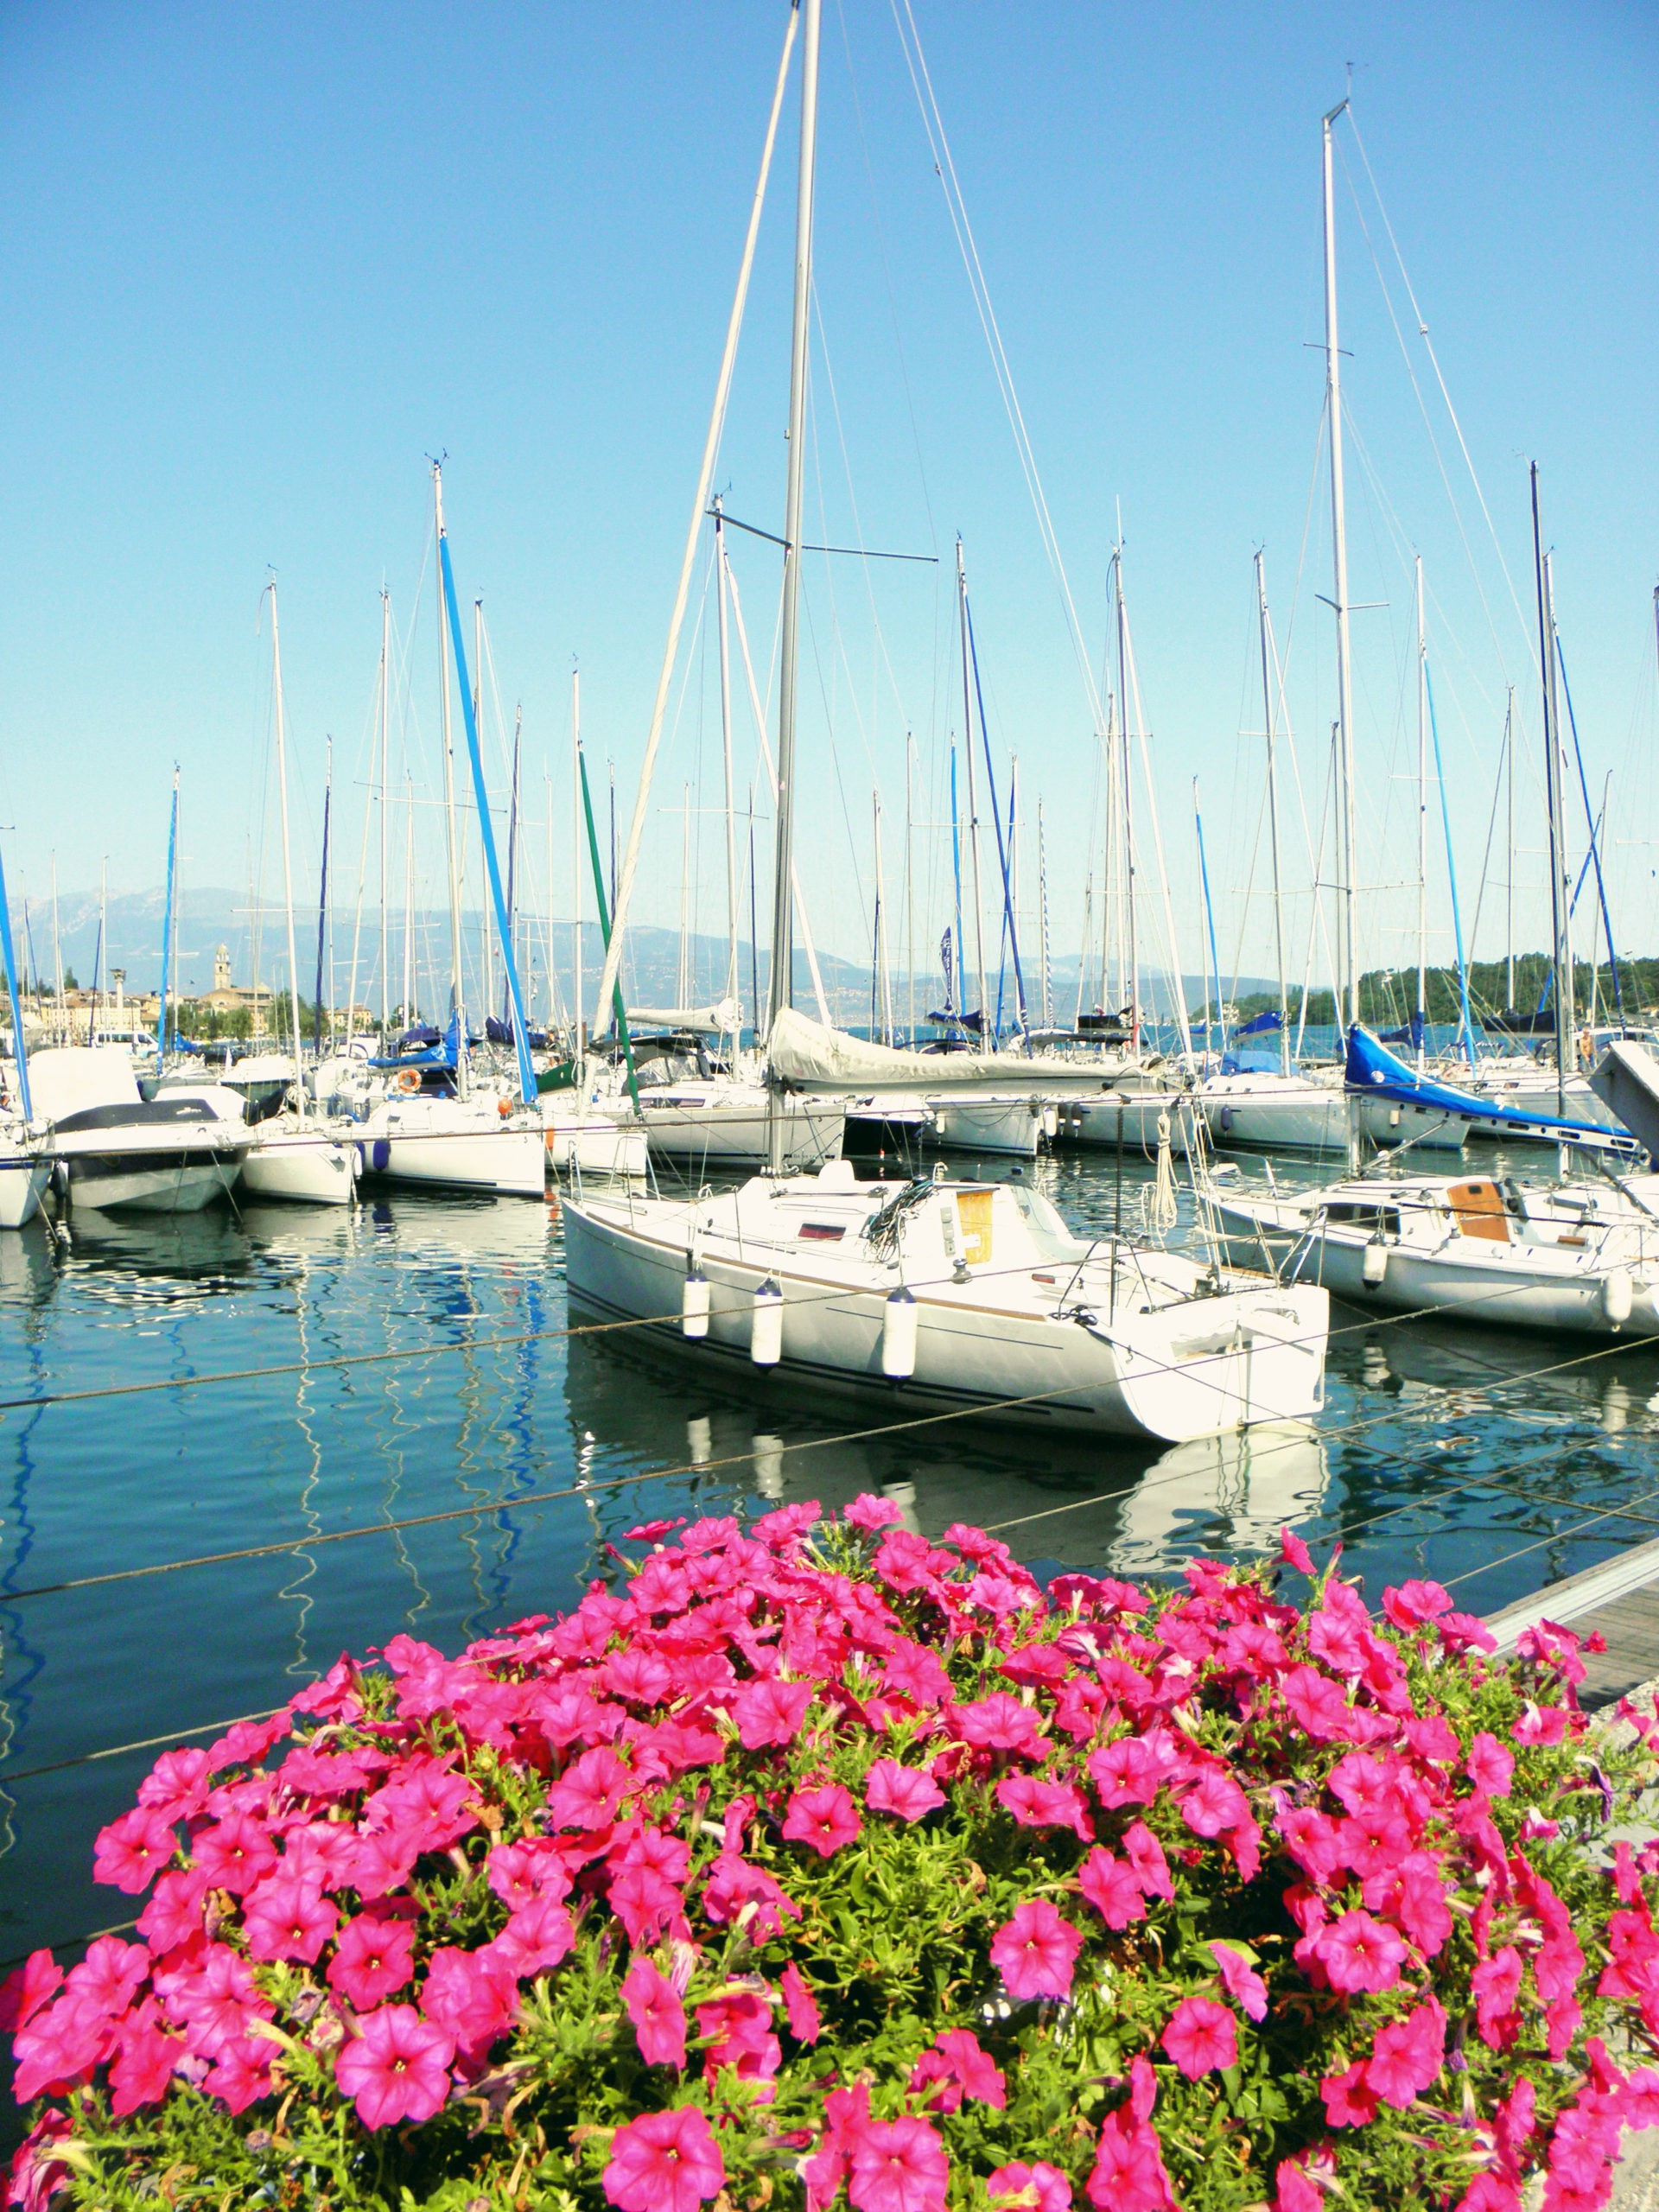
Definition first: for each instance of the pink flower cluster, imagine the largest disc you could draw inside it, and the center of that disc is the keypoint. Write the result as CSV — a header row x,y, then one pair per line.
x,y
365,1898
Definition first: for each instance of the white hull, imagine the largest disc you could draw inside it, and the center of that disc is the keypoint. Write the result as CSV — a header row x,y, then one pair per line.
x,y
181,1185
450,1144
1560,1285
1126,1121
300,1160
593,1144
696,1122
25,1166
1191,1365
1274,1114
1010,1126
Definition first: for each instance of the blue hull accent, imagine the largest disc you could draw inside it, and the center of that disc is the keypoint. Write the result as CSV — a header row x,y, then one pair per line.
x,y
1373,1071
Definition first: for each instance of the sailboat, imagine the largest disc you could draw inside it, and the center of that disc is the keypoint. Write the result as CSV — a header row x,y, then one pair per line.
x,y
466,1137
25,1148
965,1295
298,1152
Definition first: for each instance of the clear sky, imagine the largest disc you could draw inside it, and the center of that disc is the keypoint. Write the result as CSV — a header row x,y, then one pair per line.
x,y
259,264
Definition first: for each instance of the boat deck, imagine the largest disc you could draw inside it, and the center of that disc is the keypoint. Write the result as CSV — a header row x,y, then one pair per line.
x,y
1620,1598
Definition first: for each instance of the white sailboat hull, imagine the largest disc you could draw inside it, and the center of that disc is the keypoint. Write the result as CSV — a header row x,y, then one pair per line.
x,y
698,1124
593,1144
25,1167
448,1144
1193,1366
302,1162
1126,1121
1014,1126
1274,1114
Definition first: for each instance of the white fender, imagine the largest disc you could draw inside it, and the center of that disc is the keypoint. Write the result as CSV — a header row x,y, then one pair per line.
x,y
694,1306
1374,1266
1617,1295
898,1320
766,1325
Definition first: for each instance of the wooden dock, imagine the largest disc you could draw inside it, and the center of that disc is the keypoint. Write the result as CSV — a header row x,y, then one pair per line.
x,y
1619,1598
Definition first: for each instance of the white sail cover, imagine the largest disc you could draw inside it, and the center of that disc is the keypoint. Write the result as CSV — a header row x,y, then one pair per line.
x,y
803,1052
722,1021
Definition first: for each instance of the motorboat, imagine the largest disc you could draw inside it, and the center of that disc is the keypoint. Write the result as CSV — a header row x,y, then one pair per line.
x,y
972,1296
1494,1252
112,1148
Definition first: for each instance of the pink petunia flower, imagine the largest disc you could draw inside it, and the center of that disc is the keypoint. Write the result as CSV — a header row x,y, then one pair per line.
x,y
1035,1952
1201,2036
1038,1804
1414,1602
132,1852
824,1817
234,1854
1035,2188
909,1792
769,1712
1146,1855
658,2015
1294,2191
374,1954
396,2066
1407,2056
537,1937
24,1991
664,2161
472,1995
800,2005
1241,1981
287,1917
647,1905
1496,1983
1490,1767
145,2061
897,2165
1110,1886
1349,2100
1215,1803
1541,1724
999,1723
1359,1952
872,1513
1126,1772
1294,1552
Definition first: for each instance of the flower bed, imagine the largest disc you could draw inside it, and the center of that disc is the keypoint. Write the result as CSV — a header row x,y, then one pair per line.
x,y
819,1865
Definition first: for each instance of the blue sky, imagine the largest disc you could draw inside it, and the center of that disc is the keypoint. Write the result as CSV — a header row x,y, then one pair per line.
x,y
259,264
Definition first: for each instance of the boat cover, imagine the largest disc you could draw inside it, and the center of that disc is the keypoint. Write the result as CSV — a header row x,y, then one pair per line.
x,y
803,1052
1375,1072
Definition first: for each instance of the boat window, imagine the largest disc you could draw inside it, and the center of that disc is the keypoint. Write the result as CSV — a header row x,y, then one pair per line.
x,y
821,1232
1387,1218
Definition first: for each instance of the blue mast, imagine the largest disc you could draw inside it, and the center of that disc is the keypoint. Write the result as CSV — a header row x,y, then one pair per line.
x,y
1595,842
520,1028
167,922
1210,926
997,824
1466,1026
13,994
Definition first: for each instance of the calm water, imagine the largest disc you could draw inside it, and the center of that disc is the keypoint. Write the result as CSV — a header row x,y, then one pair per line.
x,y
1440,1451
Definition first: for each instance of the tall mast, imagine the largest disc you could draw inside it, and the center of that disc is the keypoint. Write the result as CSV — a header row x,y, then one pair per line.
x,y
909,889
1561,889
883,970
288,867
478,724
683,996
1348,980
973,798
1508,902
1042,918
1131,953
512,865
576,860
463,1073
725,755
385,725
409,898
101,966
57,954
322,899
783,849
1272,812
1422,815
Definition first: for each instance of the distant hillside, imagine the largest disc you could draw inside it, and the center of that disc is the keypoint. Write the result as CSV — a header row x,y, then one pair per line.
x,y
211,916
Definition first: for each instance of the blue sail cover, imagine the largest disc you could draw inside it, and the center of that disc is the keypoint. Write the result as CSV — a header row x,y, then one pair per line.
x,y
1374,1071
1263,1025
444,1052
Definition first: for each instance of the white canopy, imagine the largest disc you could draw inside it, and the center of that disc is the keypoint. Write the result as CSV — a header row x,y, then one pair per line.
x,y
803,1052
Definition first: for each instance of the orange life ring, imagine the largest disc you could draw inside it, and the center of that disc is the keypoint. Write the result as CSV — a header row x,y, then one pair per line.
x,y
408,1080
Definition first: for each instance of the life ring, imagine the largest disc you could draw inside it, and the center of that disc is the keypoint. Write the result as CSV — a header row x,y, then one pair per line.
x,y
408,1080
